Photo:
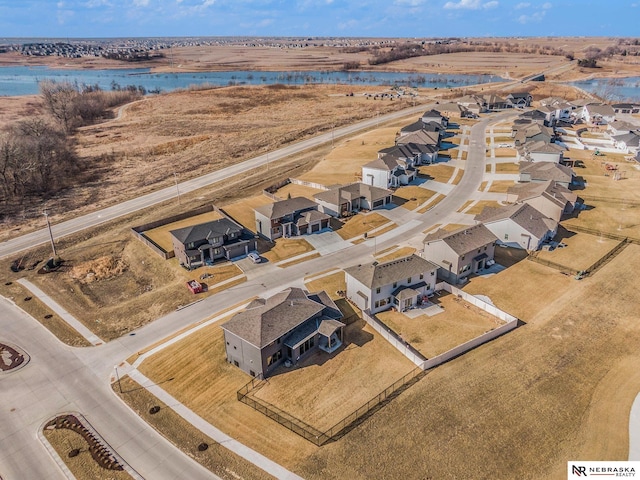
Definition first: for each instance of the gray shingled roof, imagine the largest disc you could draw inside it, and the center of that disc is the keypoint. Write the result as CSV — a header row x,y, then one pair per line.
x,y
264,321
336,195
376,274
522,214
285,207
204,231
600,109
386,162
549,189
547,171
421,137
465,239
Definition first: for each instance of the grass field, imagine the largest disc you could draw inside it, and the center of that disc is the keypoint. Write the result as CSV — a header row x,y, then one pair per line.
x,y
399,253
299,260
322,389
242,210
438,172
500,186
331,284
581,252
161,235
479,206
431,336
295,190
438,198
359,224
505,152
286,248
412,196
507,167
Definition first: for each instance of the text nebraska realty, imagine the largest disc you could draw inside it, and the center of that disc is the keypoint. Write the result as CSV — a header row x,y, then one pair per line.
x,y
580,471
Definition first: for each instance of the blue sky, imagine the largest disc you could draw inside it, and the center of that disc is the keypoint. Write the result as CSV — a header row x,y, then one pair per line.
x,y
340,18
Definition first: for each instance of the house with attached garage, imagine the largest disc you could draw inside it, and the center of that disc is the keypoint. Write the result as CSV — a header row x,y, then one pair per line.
x,y
435,116
531,132
204,243
598,113
632,108
519,99
518,225
549,198
290,217
387,172
343,200
540,151
627,143
619,127
281,329
401,283
539,172
452,110
461,252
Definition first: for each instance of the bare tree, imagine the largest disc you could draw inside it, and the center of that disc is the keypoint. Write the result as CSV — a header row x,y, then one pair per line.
x,y
60,100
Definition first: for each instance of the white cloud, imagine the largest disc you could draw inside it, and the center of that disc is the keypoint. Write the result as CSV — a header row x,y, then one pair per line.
x,y
522,5
533,18
470,5
208,3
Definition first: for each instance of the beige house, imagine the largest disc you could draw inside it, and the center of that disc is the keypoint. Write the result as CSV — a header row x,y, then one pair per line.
x,y
461,252
539,172
343,200
549,198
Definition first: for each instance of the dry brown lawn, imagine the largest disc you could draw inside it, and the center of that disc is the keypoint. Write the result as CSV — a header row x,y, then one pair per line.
x,y
581,252
480,205
431,336
399,253
82,466
299,260
243,210
505,152
541,391
361,223
323,389
286,248
413,196
507,167
295,190
501,186
438,172
221,461
344,163
331,284
162,237
438,198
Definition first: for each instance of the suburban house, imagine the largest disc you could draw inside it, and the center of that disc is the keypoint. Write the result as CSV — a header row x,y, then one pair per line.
x,y
282,329
540,151
473,103
619,127
461,252
341,201
598,113
549,198
518,225
519,99
290,217
416,143
631,108
531,132
387,172
419,126
627,143
532,116
451,109
544,171
559,107
495,102
404,154
401,283
435,116
204,243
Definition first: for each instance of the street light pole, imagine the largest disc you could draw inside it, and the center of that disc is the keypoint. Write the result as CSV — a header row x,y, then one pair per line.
x,y
53,245
118,379
175,177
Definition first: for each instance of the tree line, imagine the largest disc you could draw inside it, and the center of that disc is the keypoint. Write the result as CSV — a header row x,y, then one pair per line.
x,y
37,157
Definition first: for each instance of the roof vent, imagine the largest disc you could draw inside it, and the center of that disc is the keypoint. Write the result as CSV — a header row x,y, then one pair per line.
x,y
375,264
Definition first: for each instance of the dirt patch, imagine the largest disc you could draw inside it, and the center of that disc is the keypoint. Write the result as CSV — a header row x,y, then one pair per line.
x,y
102,268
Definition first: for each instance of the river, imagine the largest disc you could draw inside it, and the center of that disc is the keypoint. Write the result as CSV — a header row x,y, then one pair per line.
x,y
24,80
612,89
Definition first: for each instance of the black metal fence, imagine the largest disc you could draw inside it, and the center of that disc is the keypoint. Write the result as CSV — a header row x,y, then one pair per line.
x,y
312,434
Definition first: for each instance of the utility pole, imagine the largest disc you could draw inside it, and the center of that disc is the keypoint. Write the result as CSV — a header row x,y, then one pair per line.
x,y
118,379
53,245
175,177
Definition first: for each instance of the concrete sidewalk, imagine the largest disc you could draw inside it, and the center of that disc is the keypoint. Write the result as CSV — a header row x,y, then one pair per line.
x,y
205,427
66,316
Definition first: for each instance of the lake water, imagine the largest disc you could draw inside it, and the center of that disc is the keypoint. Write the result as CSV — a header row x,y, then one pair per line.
x,y
24,80
613,89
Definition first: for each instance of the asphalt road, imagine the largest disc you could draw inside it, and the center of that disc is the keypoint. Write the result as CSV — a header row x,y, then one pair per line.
x,y
61,378
24,242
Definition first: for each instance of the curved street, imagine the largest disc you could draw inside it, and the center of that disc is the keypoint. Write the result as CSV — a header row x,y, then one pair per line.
x,y
61,378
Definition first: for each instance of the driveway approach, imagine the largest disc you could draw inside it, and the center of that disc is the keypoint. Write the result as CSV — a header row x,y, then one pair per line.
x,y
60,378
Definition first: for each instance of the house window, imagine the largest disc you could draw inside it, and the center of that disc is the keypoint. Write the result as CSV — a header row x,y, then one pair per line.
x,y
216,251
432,273
395,284
252,373
478,250
271,359
279,340
306,346
191,245
421,276
462,257
378,290
409,280
235,362
381,303
506,236
485,248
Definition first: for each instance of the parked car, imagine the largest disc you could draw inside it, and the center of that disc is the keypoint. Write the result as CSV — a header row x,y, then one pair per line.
x,y
254,257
